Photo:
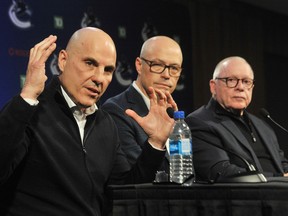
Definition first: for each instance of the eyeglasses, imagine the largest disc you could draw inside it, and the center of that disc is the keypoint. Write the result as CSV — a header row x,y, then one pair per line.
x,y
158,68
233,82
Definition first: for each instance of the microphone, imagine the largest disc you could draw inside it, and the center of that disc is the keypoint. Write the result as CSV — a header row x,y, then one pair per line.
x,y
170,112
252,176
266,114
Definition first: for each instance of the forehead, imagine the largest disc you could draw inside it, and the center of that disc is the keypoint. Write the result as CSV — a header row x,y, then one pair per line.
x,y
102,53
169,53
236,68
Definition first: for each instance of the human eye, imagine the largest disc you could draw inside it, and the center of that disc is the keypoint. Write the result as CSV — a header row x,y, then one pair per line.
x,y
91,62
155,64
109,69
247,81
175,68
158,67
231,79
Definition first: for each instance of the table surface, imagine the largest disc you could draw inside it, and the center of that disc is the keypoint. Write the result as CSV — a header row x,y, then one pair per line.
x,y
270,198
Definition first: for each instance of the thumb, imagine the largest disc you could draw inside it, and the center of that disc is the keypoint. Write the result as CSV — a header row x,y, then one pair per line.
x,y
133,115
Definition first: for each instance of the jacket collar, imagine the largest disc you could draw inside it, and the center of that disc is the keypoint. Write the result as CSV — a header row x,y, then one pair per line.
x,y
136,101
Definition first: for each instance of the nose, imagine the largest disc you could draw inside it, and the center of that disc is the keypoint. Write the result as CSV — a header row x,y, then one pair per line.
x,y
98,75
240,84
166,73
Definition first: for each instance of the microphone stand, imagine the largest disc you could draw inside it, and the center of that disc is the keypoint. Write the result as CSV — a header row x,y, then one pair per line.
x,y
266,114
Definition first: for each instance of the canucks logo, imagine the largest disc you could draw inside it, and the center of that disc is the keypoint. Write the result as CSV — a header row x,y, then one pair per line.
x,y
20,14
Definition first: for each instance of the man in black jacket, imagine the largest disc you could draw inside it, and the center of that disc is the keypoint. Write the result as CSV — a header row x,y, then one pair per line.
x,y
225,122
58,150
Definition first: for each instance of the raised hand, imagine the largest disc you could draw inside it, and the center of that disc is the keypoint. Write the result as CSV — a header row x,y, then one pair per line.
x,y
35,74
157,124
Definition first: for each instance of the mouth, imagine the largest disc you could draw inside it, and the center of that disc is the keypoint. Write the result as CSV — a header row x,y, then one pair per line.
x,y
163,85
93,90
239,98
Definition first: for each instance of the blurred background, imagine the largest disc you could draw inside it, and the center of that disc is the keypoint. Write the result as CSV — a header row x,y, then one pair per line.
x,y
207,31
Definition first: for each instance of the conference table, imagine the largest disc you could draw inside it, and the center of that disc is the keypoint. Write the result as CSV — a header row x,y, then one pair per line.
x,y
218,199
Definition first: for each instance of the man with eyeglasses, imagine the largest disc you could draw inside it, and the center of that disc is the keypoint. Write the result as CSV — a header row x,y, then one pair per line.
x,y
159,66
225,122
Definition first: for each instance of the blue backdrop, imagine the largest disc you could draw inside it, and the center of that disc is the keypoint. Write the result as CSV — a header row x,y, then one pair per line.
x,y
26,22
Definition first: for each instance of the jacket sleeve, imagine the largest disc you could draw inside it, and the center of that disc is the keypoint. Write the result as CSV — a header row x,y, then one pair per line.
x,y
131,135
143,169
14,121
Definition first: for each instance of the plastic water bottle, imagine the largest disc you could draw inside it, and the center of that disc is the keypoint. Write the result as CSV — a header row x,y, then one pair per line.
x,y
180,148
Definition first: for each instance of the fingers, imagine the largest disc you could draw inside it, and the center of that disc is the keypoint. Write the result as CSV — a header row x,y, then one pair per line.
x,y
36,74
133,115
156,96
41,51
151,94
171,101
157,123
162,98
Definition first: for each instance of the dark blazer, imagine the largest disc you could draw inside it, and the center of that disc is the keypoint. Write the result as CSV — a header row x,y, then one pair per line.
x,y
210,128
46,170
132,136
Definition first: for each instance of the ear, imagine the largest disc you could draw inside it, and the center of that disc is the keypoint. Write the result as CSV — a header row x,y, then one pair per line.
x,y
138,65
212,87
62,59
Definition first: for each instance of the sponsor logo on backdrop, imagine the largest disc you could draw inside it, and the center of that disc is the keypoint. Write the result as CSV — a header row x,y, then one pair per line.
x,y
148,31
122,32
124,73
18,52
20,14
22,80
89,19
54,65
58,22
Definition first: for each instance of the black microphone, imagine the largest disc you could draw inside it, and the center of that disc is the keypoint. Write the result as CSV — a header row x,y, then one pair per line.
x,y
170,112
266,114
252,176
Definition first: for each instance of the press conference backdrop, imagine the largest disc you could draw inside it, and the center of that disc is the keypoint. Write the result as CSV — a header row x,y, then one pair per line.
x,y
26,22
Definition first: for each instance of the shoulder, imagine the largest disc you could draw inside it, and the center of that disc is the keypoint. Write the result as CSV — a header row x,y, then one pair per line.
x,y
104,118
118,99
206,117
200,113
128,99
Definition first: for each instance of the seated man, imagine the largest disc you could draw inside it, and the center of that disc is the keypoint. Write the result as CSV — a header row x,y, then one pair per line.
x,y
225,122
59,151
159,66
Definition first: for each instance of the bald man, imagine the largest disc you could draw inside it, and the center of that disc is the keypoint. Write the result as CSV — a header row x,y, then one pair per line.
x,y
58,150
159,66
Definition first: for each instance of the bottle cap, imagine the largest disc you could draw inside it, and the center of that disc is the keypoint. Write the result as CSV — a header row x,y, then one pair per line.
x,y
179,115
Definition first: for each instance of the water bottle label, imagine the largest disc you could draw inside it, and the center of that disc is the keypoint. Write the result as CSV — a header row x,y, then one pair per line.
x,y
186,147
182,147
174,146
